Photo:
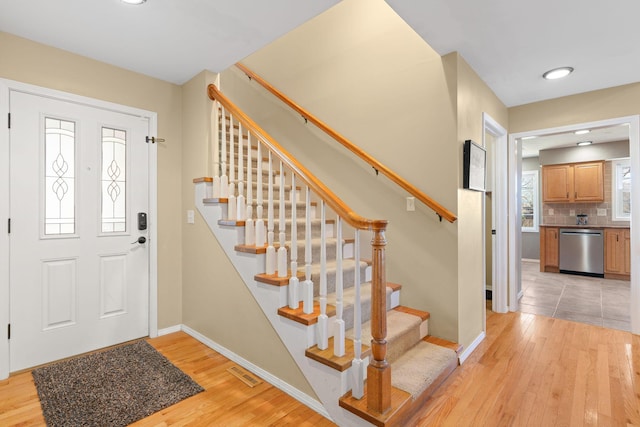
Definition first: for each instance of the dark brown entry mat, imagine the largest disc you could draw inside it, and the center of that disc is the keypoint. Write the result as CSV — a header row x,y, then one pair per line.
x,y
114,387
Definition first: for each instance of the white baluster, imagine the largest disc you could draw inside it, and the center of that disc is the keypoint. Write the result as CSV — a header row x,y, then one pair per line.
x,y
249,229
294,299
358,365
323,328
339,328
215,148
307,286
282,250
241,204
224,178
271,250
231,204
260,230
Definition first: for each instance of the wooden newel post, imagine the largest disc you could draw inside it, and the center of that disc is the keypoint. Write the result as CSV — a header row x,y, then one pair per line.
x,y
379,370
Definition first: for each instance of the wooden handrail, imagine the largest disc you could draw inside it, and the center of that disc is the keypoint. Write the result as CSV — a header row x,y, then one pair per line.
x,y
440,210
314,184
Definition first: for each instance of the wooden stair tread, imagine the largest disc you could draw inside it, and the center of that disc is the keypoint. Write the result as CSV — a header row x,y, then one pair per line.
x,y
444,343
341,363
273,279
209,200
231,222
399,411
297,315
424,315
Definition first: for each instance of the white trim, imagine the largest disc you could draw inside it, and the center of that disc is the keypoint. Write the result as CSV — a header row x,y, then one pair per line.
x,y
467,351
169,330
267,376
536,203
4,236
615,165
500,197
152,224
10,85
515,237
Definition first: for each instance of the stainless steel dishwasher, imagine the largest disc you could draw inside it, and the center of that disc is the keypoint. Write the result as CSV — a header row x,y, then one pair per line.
x,y
582,251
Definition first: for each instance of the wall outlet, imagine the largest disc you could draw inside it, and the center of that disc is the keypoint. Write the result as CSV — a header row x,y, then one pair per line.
x,y
550,211
191,217
572,212
411,204
602,212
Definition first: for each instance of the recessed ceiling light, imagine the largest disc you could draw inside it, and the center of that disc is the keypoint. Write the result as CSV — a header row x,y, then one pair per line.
x,y
557,73
524,138
582,143
582,132
133,1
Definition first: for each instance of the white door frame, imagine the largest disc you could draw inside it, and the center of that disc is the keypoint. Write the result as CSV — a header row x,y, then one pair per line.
x,y
500,197
6,87
515,235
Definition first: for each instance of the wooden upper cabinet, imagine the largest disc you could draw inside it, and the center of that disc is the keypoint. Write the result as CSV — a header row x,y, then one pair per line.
x,y
557,181
588,182
573,182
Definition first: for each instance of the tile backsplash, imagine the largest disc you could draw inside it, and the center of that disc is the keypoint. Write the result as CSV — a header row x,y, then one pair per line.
x,y
598,213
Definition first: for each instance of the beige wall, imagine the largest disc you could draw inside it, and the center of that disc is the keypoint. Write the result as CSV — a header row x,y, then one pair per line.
x,y
585,107
25,61
474,98
381,86
216,301
361,69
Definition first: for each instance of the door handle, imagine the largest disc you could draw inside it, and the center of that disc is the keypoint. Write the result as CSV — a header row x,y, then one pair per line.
x,y
141,240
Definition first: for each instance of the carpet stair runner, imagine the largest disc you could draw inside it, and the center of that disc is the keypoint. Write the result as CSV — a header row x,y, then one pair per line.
x,y
419,363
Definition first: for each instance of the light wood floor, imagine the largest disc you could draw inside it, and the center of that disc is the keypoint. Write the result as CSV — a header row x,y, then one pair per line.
x,y
529,371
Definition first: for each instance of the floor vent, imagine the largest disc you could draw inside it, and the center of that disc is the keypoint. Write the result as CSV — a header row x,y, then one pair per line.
x,y
244,376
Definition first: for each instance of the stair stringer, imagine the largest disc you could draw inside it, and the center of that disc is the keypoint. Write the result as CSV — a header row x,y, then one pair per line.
x,y
328,384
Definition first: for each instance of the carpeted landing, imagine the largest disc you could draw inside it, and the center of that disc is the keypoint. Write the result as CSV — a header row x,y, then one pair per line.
x,y
114,387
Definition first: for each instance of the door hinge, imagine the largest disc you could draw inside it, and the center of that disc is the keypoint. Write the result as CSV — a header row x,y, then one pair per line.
x,y
9,120
9,226
9,331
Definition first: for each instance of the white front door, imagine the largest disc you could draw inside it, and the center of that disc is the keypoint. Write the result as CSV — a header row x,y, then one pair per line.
x,y
79,194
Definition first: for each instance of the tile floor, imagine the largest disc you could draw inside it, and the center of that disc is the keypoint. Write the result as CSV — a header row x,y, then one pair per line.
x,y
600,302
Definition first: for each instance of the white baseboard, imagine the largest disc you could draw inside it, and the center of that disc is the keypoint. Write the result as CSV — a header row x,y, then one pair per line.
x,y
267,376
467,351
530,260
169,330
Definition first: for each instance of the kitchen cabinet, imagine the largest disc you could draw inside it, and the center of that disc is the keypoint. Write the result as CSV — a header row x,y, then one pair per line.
x,y
549,249
573,182
617,253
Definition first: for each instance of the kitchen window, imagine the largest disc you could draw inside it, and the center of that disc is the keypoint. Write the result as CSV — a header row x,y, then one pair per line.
x,y
530,201
621,190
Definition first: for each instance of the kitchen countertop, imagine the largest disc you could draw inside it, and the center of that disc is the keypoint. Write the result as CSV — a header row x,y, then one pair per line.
x,y
585,226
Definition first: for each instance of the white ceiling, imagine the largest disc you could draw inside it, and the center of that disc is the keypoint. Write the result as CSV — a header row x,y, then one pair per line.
x,y
511,43
508,43
532,147
172,40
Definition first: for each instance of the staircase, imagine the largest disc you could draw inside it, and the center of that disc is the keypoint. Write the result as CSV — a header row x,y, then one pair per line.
x,y
369,359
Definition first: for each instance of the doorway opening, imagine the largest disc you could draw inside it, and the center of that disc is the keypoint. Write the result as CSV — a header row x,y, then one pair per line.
x,y
520,152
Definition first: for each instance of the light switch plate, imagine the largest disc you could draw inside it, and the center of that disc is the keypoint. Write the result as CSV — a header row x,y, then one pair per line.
x,y
572,212
550,211
191,217
602,212
411,204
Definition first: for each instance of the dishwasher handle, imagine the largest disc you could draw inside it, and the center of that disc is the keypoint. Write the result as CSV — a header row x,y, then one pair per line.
x,y
581,233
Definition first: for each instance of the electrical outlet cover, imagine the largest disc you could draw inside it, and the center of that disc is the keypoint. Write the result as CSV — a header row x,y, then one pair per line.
x,y
602,212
